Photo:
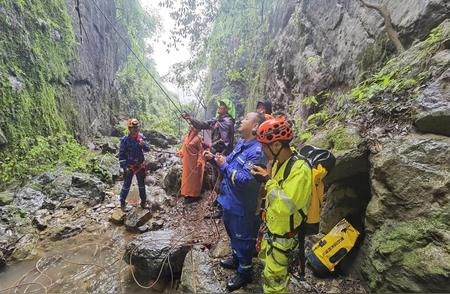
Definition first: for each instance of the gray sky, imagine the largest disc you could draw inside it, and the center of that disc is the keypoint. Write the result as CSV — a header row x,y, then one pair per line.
x,y
163,59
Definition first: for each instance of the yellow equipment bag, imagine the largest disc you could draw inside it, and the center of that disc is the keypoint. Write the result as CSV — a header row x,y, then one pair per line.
x,y
329,251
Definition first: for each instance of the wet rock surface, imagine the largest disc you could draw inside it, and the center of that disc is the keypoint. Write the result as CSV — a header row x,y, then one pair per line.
x,y
408,216
196,276
152,251
158,139
6,197
434,107
136,217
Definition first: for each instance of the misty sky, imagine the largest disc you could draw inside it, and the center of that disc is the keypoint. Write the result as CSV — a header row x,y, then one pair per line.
x,y
163,59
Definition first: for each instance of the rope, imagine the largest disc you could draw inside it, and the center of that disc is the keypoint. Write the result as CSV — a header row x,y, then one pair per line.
x,y
24,284
137,57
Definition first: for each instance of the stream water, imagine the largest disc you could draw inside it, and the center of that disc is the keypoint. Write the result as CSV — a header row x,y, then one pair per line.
x,y
91,261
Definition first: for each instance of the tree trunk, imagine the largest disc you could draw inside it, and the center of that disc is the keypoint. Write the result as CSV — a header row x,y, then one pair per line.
x,y
392,33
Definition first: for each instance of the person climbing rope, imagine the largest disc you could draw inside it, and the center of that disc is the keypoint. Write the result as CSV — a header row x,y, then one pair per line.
x,y
287,202
265,107
131,160
193,165
238,197
222,127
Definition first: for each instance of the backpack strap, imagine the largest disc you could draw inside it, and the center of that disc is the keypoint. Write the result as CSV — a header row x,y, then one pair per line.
x,y
294,157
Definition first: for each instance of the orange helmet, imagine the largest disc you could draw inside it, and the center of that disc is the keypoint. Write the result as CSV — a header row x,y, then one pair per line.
x,y
132,122
275,129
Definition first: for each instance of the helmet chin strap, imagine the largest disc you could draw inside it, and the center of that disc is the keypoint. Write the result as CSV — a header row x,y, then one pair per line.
x,y
275,156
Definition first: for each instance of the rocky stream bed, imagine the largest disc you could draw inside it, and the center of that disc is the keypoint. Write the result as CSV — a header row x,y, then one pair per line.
x,y
66,233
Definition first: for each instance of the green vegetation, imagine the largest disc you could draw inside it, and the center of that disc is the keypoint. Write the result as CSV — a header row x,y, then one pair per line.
x,y
139,95
37,44
33,68
36,115
403,72
238,46
36,154
397,82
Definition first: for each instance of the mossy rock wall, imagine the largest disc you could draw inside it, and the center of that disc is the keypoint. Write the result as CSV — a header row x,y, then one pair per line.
x,y
36,45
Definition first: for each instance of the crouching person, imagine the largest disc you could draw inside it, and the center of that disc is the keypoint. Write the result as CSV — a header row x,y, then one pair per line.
x,y
287,202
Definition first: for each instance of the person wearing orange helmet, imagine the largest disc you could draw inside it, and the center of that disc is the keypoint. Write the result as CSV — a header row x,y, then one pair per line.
x,y
287,201
131,160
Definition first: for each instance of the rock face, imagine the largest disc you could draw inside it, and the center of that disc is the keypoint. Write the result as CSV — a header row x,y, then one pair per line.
x,y
153,250
93,80
408,217
158,139
15,225
324,43
196,276
434,109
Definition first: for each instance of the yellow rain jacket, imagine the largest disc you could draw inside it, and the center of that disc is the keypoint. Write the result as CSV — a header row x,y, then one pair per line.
x,y
284,200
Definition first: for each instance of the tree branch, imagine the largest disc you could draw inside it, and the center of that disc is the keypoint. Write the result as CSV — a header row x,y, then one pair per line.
x,y
392,33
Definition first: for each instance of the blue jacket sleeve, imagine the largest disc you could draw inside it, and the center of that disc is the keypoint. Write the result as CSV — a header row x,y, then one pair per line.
x,y
122,152
240,177
146,147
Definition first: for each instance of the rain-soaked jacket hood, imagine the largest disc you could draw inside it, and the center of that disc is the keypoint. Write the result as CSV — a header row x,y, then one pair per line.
x,y
230,106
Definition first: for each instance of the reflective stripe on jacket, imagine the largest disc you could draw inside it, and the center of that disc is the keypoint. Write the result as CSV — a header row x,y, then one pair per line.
x,y
239,189
286,198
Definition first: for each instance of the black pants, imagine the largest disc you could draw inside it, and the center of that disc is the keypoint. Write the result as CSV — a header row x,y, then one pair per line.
x,y
140,176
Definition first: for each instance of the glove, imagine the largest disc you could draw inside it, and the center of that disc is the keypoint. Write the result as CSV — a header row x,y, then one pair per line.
x,y
261,179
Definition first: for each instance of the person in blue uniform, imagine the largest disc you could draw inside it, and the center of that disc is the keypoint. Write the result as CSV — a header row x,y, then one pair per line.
x,y
131,160
238,197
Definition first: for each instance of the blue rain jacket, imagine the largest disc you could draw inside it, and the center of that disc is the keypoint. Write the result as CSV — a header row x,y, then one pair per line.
x,y
130,152
239,189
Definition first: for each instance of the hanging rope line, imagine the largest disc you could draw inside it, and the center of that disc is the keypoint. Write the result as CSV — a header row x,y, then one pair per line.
x,y
137,57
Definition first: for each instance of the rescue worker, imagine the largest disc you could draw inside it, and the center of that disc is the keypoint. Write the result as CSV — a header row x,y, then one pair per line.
x,y
264,107
238,197
131,160
287,202
222,127
193,166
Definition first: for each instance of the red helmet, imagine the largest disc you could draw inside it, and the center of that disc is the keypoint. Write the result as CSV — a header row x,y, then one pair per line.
x,y
275,129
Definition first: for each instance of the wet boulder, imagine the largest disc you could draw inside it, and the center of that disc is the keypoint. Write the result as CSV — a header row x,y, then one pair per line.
x,y
55,186
117,216
158,139
6,197
136,218
197,275
172,181
88,188
434,107
16,232
407,219
109,167
29,199
152,250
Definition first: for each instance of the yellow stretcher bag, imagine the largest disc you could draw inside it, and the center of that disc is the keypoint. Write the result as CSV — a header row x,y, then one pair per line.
x,y
329,251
